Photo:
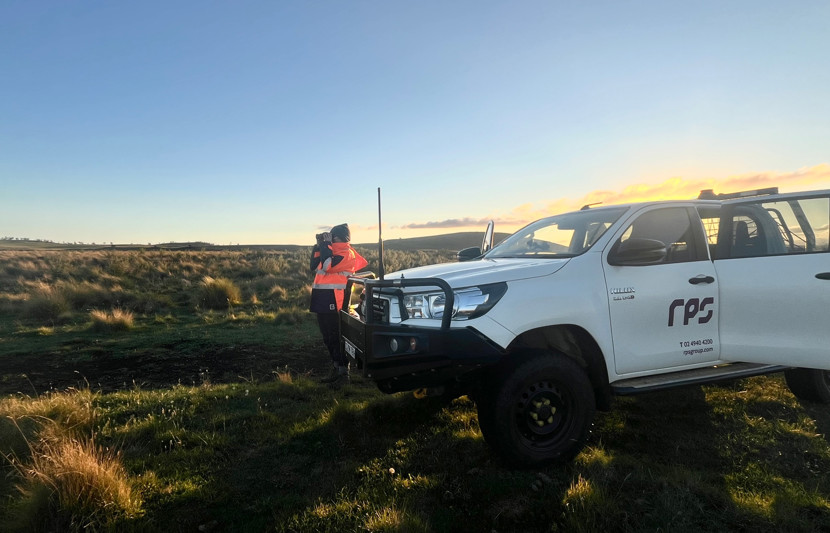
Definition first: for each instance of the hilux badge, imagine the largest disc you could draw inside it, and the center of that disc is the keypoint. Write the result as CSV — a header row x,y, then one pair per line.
x,y
623,290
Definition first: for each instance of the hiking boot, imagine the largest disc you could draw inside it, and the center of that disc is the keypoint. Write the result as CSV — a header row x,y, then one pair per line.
x,y
331,376
336,373
342,379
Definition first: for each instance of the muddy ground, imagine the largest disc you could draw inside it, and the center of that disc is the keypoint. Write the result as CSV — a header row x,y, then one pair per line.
x,y
36,375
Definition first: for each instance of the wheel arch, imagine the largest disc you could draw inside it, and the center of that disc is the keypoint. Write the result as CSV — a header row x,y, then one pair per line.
x,y
575,342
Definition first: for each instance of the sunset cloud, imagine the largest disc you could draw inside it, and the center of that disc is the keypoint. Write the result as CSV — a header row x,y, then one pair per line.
x,y
679,188
449,223
671,189
466,222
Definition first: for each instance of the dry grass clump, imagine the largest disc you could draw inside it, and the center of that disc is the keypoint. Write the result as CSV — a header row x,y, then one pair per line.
x,y
291,316
71,484
218,293
271,264
65,481
111,321
83,295
25,265
46,303
72,409
278,292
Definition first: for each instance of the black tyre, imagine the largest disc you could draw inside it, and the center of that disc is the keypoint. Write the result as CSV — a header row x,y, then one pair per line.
x,y
541,411
809,384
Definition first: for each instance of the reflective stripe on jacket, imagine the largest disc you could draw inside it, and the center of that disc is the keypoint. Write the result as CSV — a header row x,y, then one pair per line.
x,y
331,273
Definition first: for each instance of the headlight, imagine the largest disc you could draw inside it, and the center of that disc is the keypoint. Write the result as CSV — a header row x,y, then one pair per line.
x,y
470,302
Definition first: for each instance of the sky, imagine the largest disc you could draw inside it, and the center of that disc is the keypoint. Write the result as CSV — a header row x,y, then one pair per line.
x,y
265,122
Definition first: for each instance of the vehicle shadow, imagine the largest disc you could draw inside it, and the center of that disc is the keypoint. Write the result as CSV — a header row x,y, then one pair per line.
x,y
294,480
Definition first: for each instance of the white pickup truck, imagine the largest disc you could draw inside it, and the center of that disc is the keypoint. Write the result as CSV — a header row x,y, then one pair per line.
x,y
550,324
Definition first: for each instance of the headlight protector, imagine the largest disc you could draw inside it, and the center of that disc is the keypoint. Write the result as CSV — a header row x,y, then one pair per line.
x,y
470,302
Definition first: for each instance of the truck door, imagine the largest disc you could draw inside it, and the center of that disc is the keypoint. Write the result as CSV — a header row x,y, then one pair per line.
x,y
773,264
662,292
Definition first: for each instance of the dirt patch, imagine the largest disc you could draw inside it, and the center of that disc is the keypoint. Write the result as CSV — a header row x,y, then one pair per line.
x,y
33,376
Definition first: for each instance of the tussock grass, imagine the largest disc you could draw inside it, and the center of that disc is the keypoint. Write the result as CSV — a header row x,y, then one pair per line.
x,y
279,293
73,409
291,316
65,482
83,295
46,303
71,484
111,321
271,264
46,285
218,293
284,376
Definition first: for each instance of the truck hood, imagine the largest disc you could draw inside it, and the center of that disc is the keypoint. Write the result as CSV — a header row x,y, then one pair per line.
x,y
483,271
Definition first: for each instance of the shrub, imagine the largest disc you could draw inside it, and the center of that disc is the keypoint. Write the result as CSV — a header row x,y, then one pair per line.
x,y
109,321
219,293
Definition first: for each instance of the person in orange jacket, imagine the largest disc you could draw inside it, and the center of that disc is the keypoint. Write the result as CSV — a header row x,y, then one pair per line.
x,y
333,260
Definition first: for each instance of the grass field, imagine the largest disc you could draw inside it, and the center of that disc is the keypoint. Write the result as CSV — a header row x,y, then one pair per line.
x,y
168,390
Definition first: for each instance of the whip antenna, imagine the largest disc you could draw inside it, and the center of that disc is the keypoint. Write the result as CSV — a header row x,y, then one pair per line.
x,y
380,239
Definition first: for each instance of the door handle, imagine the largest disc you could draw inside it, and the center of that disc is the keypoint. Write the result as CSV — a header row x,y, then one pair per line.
x,y
823,275
697,280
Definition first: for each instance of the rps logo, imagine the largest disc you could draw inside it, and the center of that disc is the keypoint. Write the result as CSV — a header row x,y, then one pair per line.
x,y
691,308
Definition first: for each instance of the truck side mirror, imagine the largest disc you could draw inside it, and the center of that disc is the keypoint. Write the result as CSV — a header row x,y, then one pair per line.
x,y
487,241
468,254
637,252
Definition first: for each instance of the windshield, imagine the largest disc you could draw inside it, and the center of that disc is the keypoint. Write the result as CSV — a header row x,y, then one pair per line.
x,y
558,236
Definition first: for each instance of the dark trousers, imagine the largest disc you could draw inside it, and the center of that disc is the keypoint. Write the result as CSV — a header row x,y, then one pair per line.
x,y
330,328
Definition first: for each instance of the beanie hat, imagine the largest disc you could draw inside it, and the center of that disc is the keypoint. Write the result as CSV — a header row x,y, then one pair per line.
x,y
342,232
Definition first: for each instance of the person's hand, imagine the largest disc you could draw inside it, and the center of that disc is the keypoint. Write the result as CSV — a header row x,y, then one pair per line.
x,y
326,236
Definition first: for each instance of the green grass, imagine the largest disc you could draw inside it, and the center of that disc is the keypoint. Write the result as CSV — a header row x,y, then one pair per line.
x,y
213,418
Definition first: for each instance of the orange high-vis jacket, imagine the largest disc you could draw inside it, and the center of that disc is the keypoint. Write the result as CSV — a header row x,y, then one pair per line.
x,y
331,275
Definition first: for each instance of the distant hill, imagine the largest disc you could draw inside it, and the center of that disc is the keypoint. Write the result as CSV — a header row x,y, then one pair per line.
x,y
450,241
26,244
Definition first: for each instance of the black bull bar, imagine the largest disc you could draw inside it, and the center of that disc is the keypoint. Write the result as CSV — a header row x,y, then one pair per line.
x,y
403,357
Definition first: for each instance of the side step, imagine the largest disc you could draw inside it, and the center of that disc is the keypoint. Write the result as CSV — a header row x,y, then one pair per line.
x,y
698,376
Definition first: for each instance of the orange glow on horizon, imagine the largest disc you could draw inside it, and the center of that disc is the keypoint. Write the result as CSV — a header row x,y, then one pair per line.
x,y
678,188
674,188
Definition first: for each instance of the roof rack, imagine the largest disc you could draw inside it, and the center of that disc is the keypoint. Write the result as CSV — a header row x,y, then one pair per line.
x,y
709,194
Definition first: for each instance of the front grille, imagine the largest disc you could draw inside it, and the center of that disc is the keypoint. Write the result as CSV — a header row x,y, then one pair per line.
x,y
380,311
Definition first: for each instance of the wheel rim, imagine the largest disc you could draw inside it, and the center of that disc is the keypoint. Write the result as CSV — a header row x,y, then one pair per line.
x,y
543,415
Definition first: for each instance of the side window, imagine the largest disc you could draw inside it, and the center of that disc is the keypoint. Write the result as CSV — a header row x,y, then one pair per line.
x,y
780,227
672,227
804,225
